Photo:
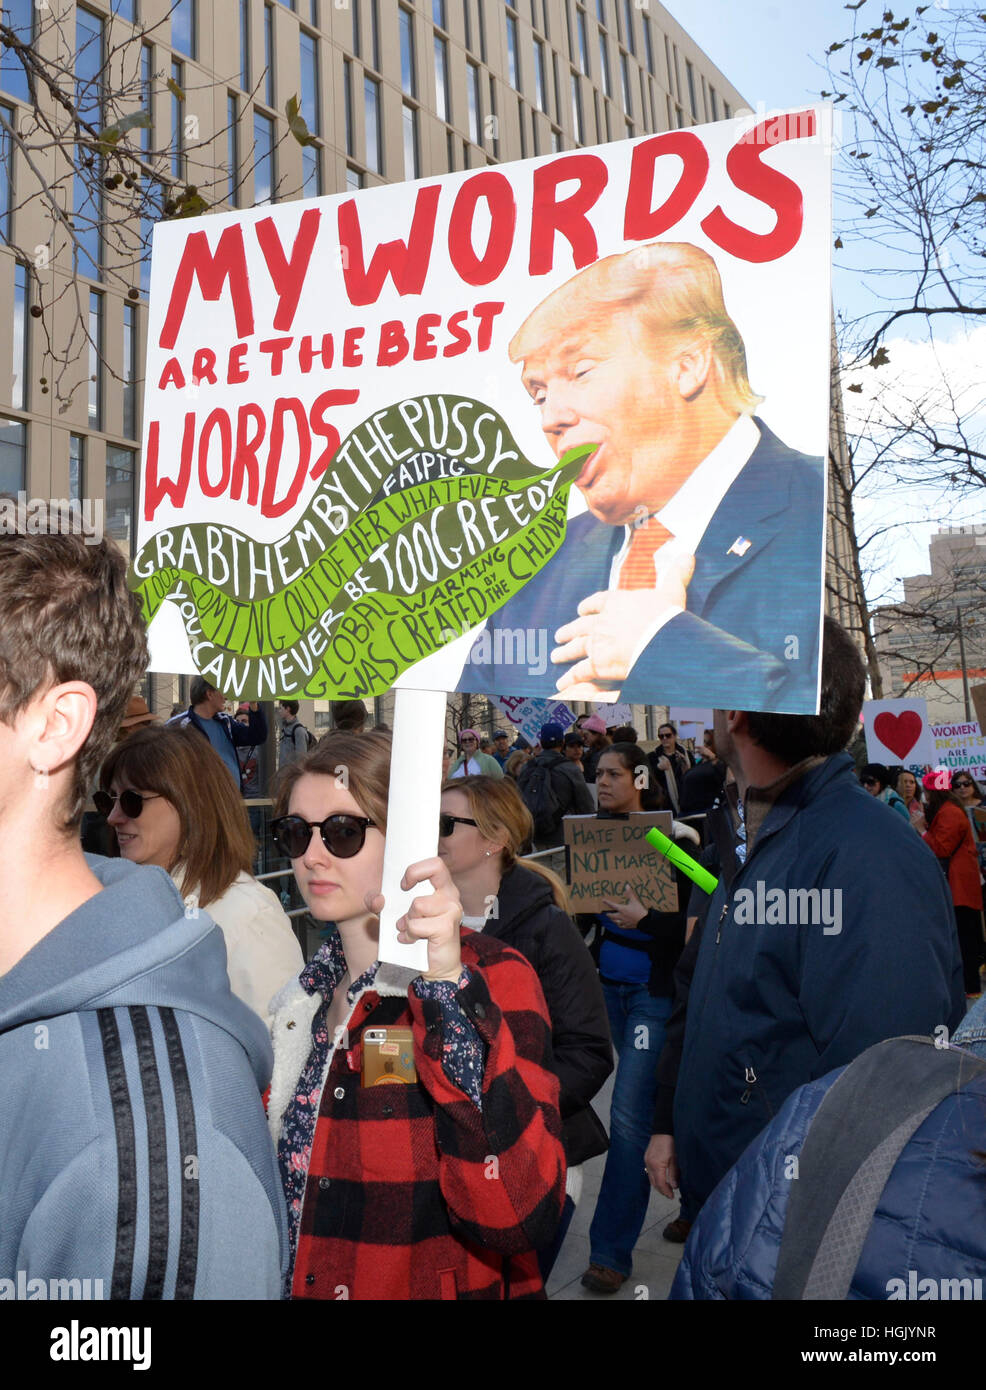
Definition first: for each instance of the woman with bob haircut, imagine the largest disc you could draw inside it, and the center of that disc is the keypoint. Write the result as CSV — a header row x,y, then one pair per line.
x,y
484,828
443,1183
170,799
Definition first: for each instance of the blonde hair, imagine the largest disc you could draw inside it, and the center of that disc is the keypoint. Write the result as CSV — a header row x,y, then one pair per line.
x,y
500,814
675,290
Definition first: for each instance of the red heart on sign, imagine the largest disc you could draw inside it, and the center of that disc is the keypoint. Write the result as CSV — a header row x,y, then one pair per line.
x,y
898,732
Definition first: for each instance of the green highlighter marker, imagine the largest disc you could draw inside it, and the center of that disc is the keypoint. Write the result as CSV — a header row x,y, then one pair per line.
x,y
681,860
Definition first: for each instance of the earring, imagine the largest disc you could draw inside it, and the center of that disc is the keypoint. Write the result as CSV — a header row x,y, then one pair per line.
x,y
488,853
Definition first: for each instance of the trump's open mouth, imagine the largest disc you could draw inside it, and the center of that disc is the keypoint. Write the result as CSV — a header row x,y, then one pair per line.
x,y
590,469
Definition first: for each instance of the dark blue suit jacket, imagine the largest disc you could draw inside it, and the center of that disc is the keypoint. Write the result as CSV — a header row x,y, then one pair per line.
x,y
750,637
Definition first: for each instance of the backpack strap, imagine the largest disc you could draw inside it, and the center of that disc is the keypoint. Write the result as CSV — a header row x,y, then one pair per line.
x,y
856,1136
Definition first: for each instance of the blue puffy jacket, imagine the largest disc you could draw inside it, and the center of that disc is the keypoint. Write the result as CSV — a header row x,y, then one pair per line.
x,y
928,1223
774,1004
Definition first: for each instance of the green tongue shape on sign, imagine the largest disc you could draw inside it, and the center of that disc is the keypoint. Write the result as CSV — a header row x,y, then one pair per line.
x,y
380,571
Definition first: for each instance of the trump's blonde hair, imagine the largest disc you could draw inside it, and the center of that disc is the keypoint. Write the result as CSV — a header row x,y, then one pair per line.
x,y
675,290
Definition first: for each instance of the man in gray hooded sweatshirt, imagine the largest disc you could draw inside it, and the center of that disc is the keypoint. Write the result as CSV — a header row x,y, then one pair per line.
x,y
135,1162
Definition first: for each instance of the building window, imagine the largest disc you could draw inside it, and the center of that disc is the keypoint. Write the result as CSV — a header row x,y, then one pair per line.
x,y
245,45
311,171
441,80
577,110
725,111
522,126
648,45
263,159
583,41
690,74
438,13
126,9
629,39
130,370
347,98
715,103
95,360
482,32
22,300
120,497
467,22
450,150
183,26
19,15
554,67
6,171
667,55
493,123
232,146
601,11
604,63
375,33
540,76
410,142
513,67
354,7
13,455
76,467
354,179
88,201
310,106
475,109
407,53
177,122
371,118
625,83
269,54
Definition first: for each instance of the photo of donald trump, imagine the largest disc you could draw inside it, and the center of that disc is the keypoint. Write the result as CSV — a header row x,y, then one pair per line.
x,y
695,574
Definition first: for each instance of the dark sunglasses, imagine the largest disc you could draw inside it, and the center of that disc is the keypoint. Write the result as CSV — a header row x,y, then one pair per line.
x,y
131,803
961,784
342,835
447,824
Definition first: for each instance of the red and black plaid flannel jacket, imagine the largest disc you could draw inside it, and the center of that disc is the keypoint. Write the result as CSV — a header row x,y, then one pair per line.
x,y
412,1191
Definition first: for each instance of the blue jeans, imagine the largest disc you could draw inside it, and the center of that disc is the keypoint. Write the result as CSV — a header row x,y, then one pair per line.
x,y
637,1020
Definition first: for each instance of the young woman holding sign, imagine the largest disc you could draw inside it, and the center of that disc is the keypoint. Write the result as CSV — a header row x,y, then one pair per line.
x,y
637,955
417,1128
484,828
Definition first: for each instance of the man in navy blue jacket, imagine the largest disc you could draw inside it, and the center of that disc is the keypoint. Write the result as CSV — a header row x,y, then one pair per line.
x,y
831,929
696,574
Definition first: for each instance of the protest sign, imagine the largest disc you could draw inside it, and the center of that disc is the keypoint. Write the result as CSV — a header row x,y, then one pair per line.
x,y
528,716
978,693
897,732
614,715
605,855
347,486
958,746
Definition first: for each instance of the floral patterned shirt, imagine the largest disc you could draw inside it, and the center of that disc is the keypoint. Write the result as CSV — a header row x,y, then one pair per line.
x,y
463,1059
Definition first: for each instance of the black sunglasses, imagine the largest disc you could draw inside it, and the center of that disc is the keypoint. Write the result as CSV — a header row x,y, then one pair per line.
x,y
447,824
961,784
342,835
131,803
871,782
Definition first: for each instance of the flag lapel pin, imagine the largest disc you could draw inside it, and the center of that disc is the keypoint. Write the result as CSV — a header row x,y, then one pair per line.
x,y
739,546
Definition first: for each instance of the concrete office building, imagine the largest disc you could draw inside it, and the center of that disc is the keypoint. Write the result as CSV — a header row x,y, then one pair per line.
x,y
390,89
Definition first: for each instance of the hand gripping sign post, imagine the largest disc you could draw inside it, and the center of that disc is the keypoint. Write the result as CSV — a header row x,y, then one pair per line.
x,y
445,435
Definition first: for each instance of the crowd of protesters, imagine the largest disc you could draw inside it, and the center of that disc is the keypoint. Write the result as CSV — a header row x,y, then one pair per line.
x,y
156,1006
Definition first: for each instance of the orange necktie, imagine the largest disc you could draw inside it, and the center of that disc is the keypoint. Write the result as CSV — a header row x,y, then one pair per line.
x,y
637,571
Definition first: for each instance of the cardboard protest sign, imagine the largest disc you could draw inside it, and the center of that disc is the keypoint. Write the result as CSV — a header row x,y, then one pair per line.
x,y
605,855
528,716
897,732
355,476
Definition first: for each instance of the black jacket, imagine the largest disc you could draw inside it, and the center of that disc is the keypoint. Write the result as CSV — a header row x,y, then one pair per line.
x,y
528,920
573,795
